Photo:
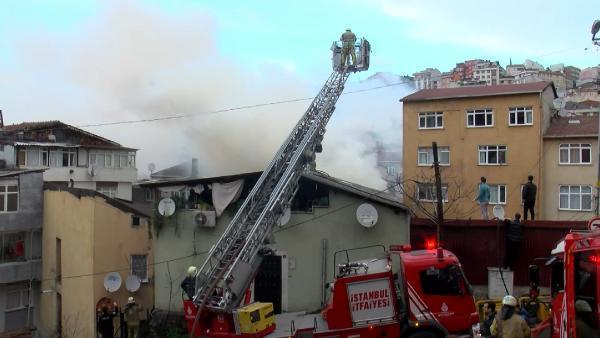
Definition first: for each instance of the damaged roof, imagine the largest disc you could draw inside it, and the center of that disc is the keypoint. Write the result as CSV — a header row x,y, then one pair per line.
x,y
573,126
16,172
479,91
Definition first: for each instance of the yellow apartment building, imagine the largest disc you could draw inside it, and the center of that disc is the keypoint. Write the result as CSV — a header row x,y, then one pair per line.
x,y
491,131
86,236
570,168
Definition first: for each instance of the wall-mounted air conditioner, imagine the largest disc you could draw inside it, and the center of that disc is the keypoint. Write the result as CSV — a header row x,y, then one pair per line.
x,y
205,218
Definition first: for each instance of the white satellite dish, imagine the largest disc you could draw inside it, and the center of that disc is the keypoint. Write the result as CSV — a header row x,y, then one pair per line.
x,y
285,218
133,283
166,207
498,211
112,281
367,215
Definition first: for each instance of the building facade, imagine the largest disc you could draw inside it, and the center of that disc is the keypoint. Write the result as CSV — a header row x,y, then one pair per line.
x,y
21,207
571,168
71,157
99,235
428,78
487,131
322,221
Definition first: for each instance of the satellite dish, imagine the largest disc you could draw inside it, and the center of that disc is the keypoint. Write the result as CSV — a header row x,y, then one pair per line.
x,y
498,211
112,281
166,207
133,283
367,215
285,218
595,27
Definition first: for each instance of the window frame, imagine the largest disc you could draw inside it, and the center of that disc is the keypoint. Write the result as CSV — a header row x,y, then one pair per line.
x,y
485,112
133,271
569,193
425,115
4,185
515,110
429,152
433,192
24,299
105,188
581,147
487,150
498,188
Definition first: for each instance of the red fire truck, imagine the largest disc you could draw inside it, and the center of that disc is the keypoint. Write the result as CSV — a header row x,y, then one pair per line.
x,y
575,279
402,293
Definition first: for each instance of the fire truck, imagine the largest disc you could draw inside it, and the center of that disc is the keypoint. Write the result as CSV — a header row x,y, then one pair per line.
x,y
427,295
575,281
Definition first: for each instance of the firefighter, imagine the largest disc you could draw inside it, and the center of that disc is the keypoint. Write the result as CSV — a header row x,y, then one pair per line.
x,y
348,40
188,285
508,323
132,318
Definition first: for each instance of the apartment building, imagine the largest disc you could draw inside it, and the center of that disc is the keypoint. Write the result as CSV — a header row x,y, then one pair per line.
x,y
428,78
488,73
490,131
71,157
570,168
20,251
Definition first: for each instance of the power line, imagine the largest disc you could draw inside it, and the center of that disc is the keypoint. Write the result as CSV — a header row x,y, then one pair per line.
x,y
225,110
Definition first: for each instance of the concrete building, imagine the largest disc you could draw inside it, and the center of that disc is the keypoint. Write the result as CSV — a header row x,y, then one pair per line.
x,y
71,156
98,235
513,70
322,221
570,168
488,72
589,74
490,131
20,252
559,79
389,162
428,78
587,107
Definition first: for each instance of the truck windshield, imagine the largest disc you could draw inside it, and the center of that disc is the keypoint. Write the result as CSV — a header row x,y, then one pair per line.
x,y
448,281
586,288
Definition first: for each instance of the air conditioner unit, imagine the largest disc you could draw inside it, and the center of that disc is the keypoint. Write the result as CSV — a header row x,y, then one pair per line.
x,y
205,218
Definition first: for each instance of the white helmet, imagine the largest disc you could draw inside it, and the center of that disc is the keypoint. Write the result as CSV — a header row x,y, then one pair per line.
x,y
582,306
130,300
191,272
509,300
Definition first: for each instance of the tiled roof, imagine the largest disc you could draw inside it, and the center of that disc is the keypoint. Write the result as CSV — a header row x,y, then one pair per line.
x,y
44,125
478,91
574,126
587,104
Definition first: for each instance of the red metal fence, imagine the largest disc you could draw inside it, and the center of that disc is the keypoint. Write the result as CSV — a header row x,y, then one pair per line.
x,y
477,244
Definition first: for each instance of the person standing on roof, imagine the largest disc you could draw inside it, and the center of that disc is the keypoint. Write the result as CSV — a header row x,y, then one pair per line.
x,y
529,192
483,197
348,40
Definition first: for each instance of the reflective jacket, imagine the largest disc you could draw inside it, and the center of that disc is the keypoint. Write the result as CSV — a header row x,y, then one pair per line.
x,y
514,327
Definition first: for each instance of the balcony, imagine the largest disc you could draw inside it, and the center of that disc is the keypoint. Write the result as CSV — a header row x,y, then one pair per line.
x,y
20,271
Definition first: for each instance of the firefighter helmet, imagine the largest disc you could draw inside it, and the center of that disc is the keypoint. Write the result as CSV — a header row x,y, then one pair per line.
x,y
509,300
130,300
191,272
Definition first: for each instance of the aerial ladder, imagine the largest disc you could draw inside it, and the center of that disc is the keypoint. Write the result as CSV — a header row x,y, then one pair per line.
x,y
233,261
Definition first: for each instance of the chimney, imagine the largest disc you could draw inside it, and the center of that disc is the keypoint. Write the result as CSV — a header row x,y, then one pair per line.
x,y
194,168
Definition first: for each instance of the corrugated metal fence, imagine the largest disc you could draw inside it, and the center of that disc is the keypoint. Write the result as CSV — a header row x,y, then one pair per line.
x,y
477,244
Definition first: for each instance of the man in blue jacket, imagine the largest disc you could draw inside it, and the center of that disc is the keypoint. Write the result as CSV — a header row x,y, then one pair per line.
x,y
483,198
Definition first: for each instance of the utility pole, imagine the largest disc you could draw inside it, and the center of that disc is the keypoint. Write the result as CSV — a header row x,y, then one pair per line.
x,y
438,192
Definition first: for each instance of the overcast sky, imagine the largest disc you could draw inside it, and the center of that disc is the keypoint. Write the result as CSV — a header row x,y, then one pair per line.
x,y
86,62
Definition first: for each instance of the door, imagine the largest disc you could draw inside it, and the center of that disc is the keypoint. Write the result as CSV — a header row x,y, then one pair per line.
x,y
268,283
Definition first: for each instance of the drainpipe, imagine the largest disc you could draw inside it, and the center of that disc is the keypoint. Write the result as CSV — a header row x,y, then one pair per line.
x,y
30,279
324,272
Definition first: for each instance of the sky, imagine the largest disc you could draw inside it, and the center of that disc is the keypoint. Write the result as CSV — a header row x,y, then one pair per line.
x,y
89,62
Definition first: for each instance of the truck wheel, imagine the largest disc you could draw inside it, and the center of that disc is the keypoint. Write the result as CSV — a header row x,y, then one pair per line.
x,y
424,335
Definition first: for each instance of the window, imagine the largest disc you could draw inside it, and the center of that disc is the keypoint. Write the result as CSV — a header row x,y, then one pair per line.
x,y
426,192
425,156
12,247
107,188
445,281
62,158
575,153
520,116
139,266
575,197
391,171
149,194
433,120
32,157
480,118
309,196
68,158
492,155
112,159
586,284
497,194
17,299
135,220
9,196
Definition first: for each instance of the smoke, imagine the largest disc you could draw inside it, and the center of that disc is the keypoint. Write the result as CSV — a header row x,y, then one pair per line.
x,y
132,62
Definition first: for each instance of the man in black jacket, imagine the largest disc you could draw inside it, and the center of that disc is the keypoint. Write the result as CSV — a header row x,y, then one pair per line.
x,y
489,313
514,236
529,193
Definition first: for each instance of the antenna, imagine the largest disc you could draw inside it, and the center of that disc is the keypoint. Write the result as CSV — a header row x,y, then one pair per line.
x,y
367,215
112,281
166,207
